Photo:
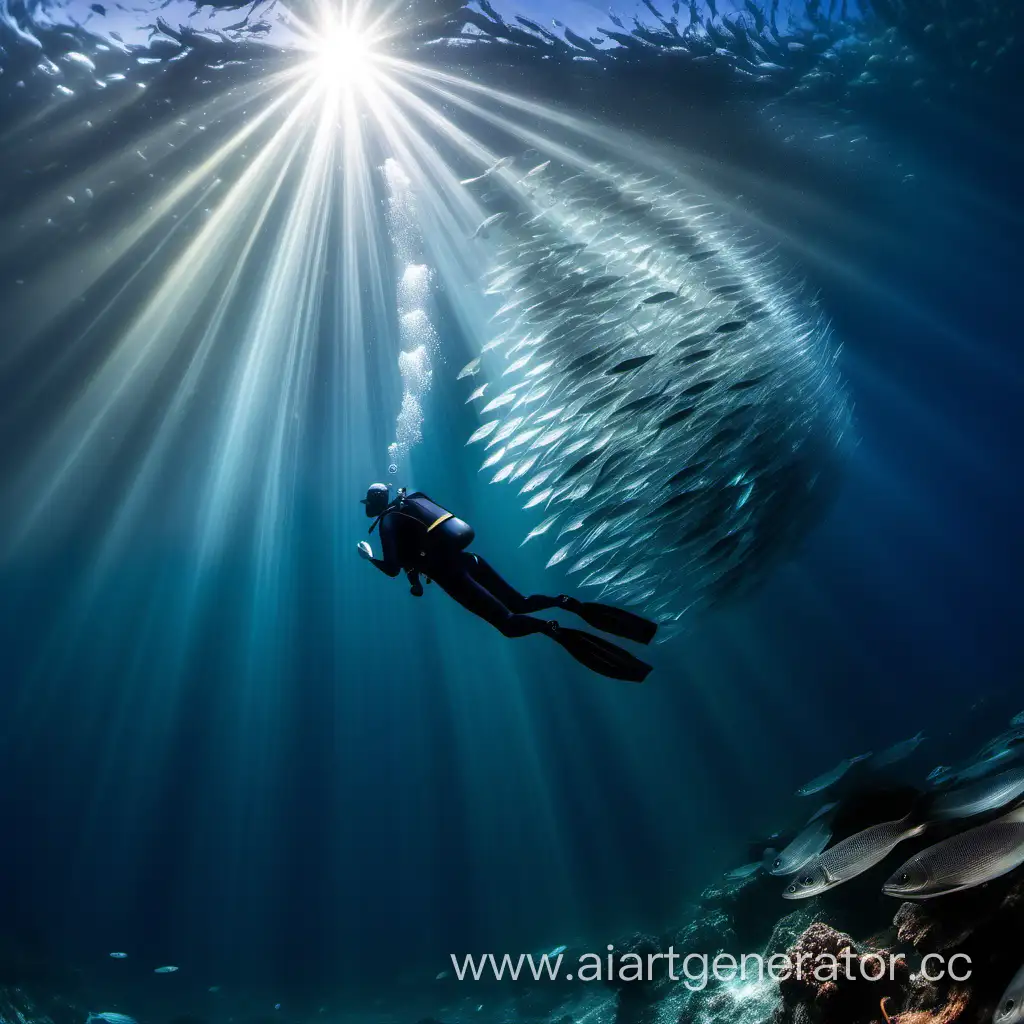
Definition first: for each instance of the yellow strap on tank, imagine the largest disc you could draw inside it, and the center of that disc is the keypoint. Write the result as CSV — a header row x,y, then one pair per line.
x,y
439,520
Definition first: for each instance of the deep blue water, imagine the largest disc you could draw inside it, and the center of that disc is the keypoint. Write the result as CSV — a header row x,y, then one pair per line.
x,y
290,779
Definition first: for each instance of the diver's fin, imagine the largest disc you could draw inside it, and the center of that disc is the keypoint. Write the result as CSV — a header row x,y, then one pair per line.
x,y
599,655
612,620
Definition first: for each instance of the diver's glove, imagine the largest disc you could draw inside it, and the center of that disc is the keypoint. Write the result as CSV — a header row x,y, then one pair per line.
x,y
364,549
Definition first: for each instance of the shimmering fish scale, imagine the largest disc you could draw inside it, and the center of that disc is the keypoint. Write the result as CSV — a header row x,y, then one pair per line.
x,y
559,556
493,459
539,531
481,432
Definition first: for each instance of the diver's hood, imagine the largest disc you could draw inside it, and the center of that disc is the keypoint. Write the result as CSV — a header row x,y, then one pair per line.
x,y
374,493
378,497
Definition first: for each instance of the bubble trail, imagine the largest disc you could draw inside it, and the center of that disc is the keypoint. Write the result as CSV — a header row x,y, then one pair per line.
x,y
417,337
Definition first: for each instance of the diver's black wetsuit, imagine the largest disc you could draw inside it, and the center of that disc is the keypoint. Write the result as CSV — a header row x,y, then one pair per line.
x,y
419,536
465,576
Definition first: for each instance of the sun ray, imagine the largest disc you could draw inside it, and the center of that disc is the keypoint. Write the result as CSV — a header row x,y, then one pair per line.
x,y
238,319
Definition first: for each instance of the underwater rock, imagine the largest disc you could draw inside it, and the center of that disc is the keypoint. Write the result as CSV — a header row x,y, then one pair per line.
x,y
36,987
710,930
787,932
924,1006
971,922
753,911
17,1007
637,1001
845,996
981,924
635,945
539,1002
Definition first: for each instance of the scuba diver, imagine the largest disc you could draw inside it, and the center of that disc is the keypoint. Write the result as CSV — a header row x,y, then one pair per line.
x,y
418,536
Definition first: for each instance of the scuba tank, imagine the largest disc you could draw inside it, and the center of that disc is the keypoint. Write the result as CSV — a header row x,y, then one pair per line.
x,y
441,532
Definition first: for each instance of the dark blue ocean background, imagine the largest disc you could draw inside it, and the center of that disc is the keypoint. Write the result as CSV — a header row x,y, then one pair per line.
x,y
310,790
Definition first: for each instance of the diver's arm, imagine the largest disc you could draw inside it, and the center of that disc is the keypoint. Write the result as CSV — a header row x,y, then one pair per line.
x,y
389,564
382,564
366,553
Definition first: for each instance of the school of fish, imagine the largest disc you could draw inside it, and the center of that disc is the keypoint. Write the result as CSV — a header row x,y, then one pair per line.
x,y
986,795
658,389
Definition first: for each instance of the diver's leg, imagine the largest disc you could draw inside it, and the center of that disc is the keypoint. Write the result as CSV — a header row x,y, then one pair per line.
x,y
458,580
491,580
600,616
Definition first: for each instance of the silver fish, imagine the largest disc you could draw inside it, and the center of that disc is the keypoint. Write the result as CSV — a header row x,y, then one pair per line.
x,y
487,223
539,169
938,772
1011,1007
979,797
119,956
164,970
828,779
497,166
822,811
110,1017
849,858
743,871
1005,741
471,369
898,751
986,767
1018,719
971,858
805,847
708,400
484,431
